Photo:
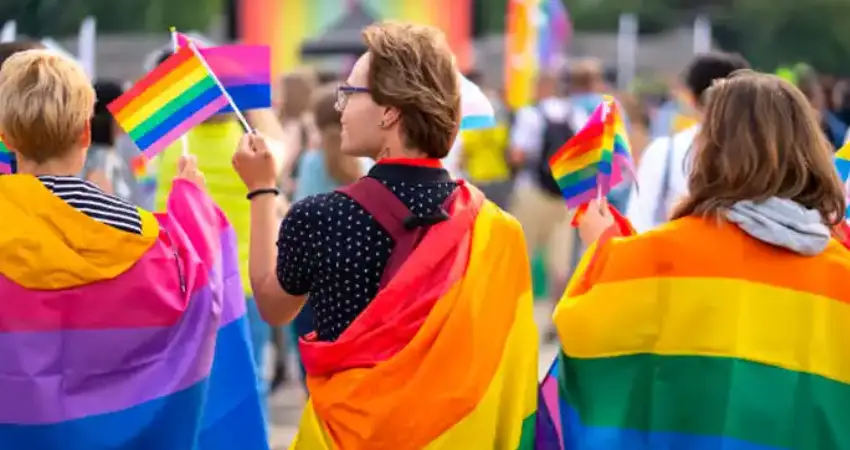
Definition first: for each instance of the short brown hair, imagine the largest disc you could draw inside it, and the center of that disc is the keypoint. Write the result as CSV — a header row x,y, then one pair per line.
x,y
413,69
760,139
47,102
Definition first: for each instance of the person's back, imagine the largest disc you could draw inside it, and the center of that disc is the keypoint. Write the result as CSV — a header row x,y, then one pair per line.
x,y
111,316
420,288
738,305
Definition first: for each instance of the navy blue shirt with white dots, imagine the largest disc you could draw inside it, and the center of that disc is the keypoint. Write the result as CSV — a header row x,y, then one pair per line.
x,y
331,249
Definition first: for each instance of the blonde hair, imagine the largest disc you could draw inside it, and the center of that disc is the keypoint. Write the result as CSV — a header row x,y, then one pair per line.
x,y
413,69
47,101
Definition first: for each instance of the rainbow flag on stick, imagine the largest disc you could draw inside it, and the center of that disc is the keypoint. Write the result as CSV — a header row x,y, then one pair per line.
x,y
596,159
167,102
444,357
244,71
7,159
113,340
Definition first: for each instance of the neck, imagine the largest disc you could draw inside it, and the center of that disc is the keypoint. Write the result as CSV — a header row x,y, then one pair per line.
x,y
401,152
50,167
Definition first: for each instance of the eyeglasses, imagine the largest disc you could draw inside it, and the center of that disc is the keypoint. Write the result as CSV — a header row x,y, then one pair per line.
x,y
343,91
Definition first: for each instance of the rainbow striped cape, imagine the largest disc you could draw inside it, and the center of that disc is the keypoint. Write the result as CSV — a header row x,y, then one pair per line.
x,y
112,340
444,357
695,336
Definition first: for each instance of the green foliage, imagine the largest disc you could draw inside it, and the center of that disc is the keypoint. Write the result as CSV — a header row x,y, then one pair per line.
x,y
63,17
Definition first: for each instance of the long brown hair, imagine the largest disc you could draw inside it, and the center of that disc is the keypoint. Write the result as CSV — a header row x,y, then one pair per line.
x,y
343,169
296,90
760,139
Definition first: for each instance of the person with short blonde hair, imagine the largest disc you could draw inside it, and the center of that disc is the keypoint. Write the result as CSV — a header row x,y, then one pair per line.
x,y
736,305
48,101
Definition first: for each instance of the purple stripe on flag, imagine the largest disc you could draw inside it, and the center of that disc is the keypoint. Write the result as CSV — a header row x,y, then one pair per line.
x,y
55,376
203,114
5,168
246,79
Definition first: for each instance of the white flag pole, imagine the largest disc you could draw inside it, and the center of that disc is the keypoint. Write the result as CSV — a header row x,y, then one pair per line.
x,y
184,140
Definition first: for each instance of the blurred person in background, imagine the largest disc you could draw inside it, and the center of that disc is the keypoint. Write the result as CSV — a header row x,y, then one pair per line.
x,y
104,166
296,90
483,153
663,170
810,84
322,170
538,132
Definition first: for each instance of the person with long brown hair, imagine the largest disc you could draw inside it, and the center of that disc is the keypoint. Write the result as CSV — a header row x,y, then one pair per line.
x,y
728,322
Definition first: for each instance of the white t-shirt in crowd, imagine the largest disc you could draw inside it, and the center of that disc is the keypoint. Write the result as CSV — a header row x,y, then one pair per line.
x,y
664,154
530,123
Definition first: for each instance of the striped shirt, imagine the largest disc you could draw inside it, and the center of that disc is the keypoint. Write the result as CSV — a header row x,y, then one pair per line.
x,y
93,202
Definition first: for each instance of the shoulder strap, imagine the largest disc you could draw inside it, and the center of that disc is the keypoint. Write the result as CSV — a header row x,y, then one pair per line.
x,y
380,203
405,229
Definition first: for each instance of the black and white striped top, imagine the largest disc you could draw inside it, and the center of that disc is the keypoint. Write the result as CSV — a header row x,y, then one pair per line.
x,y
93,202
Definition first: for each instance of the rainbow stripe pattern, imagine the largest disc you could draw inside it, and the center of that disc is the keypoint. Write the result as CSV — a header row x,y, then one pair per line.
x,y
167,102
122,341
452,366
7,159
595,159
668,343
244,71
842,164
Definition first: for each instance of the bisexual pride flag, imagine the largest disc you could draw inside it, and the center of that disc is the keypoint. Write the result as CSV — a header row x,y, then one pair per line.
x,y
114,340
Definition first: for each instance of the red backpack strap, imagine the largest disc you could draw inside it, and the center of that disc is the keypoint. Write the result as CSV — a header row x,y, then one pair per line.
x,y
405,229
380,203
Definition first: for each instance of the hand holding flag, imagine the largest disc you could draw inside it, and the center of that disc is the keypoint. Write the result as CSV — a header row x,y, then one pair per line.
x,y
595,160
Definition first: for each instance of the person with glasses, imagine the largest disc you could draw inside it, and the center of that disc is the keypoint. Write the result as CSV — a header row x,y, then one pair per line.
x,y
419,286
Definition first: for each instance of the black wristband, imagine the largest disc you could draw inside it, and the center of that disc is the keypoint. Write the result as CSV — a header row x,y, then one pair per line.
x,y
273,191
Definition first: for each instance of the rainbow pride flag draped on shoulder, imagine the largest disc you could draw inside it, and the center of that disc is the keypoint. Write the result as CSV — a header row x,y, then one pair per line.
x,y
695,336
444,357
112,340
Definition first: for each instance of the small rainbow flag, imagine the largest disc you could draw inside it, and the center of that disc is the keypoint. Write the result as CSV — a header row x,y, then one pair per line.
x,y
244,71
167,102
141,172
7,159
592,162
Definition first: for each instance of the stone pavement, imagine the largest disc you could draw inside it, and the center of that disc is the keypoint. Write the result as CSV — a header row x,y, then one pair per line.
x,y
285,405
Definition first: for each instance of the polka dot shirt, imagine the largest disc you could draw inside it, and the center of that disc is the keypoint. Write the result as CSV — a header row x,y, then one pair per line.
x,y
331,249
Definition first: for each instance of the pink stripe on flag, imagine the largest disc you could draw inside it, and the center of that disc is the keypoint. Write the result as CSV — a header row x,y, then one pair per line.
x,y
195,119
5,168
239,61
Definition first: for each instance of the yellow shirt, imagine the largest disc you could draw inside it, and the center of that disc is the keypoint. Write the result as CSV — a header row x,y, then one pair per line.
x,y
484,154
214,143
